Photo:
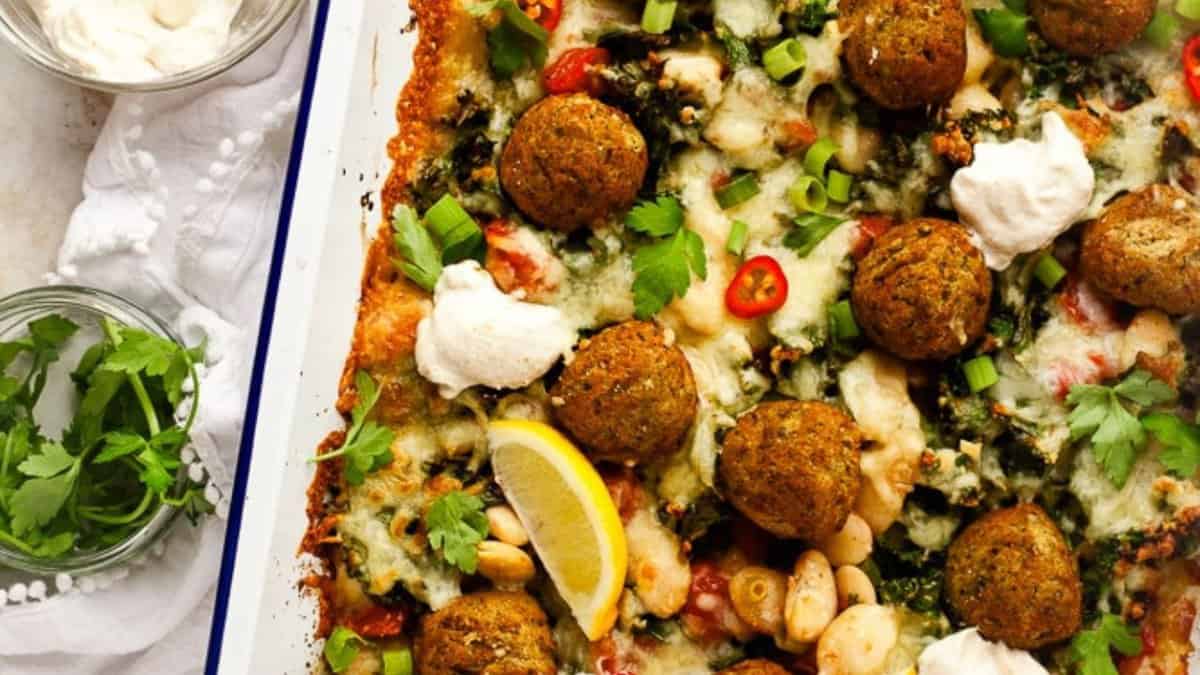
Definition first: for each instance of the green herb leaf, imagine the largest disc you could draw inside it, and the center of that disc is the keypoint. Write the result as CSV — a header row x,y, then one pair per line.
x,y
141,352
813,16
737,52
1141,388
118,444
341,648
456,523
157,469
52,460
1180,440
1116,434
368,446
1007,31
811,229
419,257
51,332
39,500
664,271
1092,649
659,218
516,40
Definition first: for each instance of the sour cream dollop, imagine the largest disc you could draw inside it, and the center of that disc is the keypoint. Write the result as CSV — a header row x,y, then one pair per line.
x,y
1018,196
967,652
478,335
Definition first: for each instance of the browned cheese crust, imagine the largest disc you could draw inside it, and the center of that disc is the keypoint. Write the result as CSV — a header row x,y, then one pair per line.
x,y
905,53
627,395
573,161
1145,250
1091,27
923,291
490,633
1012,574
793,468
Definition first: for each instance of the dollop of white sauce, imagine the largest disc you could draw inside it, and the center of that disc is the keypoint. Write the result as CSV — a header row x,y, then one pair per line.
x,y
1018,196
967,652
478,335
137,40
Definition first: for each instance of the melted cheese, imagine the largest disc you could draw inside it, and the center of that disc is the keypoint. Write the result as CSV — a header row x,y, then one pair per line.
x,y
748,18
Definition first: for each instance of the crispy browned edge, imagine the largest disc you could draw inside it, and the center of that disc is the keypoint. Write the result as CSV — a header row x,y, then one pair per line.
x,y
450,44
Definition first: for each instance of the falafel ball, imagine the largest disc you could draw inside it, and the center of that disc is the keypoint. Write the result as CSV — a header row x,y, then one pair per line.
x,y
628,395
1145,250
1091,27
573,161
1012,574
755,667
923,290
490,633
906,53
793,468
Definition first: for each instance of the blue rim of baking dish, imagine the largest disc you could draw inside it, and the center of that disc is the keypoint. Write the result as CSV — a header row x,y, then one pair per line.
x,y
266,322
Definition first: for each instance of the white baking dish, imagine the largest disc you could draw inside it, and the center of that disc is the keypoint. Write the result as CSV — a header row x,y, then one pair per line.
x,y
263,623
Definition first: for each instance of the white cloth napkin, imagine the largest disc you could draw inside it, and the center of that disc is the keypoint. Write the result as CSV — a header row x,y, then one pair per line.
x,y
181,197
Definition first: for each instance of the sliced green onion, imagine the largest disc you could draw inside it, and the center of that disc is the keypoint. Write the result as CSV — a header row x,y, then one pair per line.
x,y
841,319
1162,29
658,16
838,186
807,194
980,373
810,231
457,231
736,243
1018,6
818,157
1049,271
738,190
397,662
785,58
1188,9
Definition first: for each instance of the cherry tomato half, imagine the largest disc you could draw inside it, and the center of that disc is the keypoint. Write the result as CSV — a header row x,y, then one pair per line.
x,y
550,13
572,72
759,287
1191,66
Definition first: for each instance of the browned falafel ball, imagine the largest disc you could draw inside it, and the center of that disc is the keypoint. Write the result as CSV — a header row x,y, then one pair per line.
x,y
793,468
906,53
1012,574
489,633
573,161
628,395
923,290
755,667
1091,27
1145,250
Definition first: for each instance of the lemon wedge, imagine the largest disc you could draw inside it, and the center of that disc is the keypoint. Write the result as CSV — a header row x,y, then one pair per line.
x,y
572,521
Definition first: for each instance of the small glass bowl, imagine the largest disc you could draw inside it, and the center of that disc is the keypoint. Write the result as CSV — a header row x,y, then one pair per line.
x,y
255,23
84,305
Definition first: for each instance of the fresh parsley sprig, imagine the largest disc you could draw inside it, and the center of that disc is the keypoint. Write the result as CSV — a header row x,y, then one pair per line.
x,y
1180,441
516,40
663,269
1092,649
451,236
1116,434
456,523
368,445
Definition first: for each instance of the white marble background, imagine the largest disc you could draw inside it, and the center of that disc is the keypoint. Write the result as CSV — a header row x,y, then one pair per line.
x,y
47,129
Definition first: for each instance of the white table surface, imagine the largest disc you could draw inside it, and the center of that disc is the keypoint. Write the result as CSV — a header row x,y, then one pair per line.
x,y
47,129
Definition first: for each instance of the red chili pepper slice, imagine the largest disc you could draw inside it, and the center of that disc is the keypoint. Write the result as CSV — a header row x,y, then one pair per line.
x,y
572,72
1191,66
759,287
551,13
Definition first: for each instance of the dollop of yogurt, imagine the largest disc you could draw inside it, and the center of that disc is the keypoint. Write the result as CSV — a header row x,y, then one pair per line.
x,y
1018,196
478,335
967,652
137,40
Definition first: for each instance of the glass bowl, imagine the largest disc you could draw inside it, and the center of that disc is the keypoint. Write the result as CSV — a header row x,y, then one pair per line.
x,y
255,23
85,306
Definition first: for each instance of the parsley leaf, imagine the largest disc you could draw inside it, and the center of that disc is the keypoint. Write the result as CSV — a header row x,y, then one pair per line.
x,y
813,16
368,446
811,229
141,352
456,524
659,218
1180,440
516,40
341,648
39,500
1006,30
664,271
1116,434
420,260
1092,649
52,460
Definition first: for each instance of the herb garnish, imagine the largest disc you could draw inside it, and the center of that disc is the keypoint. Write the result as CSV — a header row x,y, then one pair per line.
x,y
368,445
117,462
1116,434
1092,649
1180,440
516,40
664,268
456,523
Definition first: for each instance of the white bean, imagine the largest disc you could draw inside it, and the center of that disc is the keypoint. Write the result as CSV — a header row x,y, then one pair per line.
x,y
854,587
504,525
658,568
812,598
858,641
504,564
851,545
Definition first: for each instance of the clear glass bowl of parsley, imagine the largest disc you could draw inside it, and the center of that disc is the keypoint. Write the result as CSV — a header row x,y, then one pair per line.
x,y
96,405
